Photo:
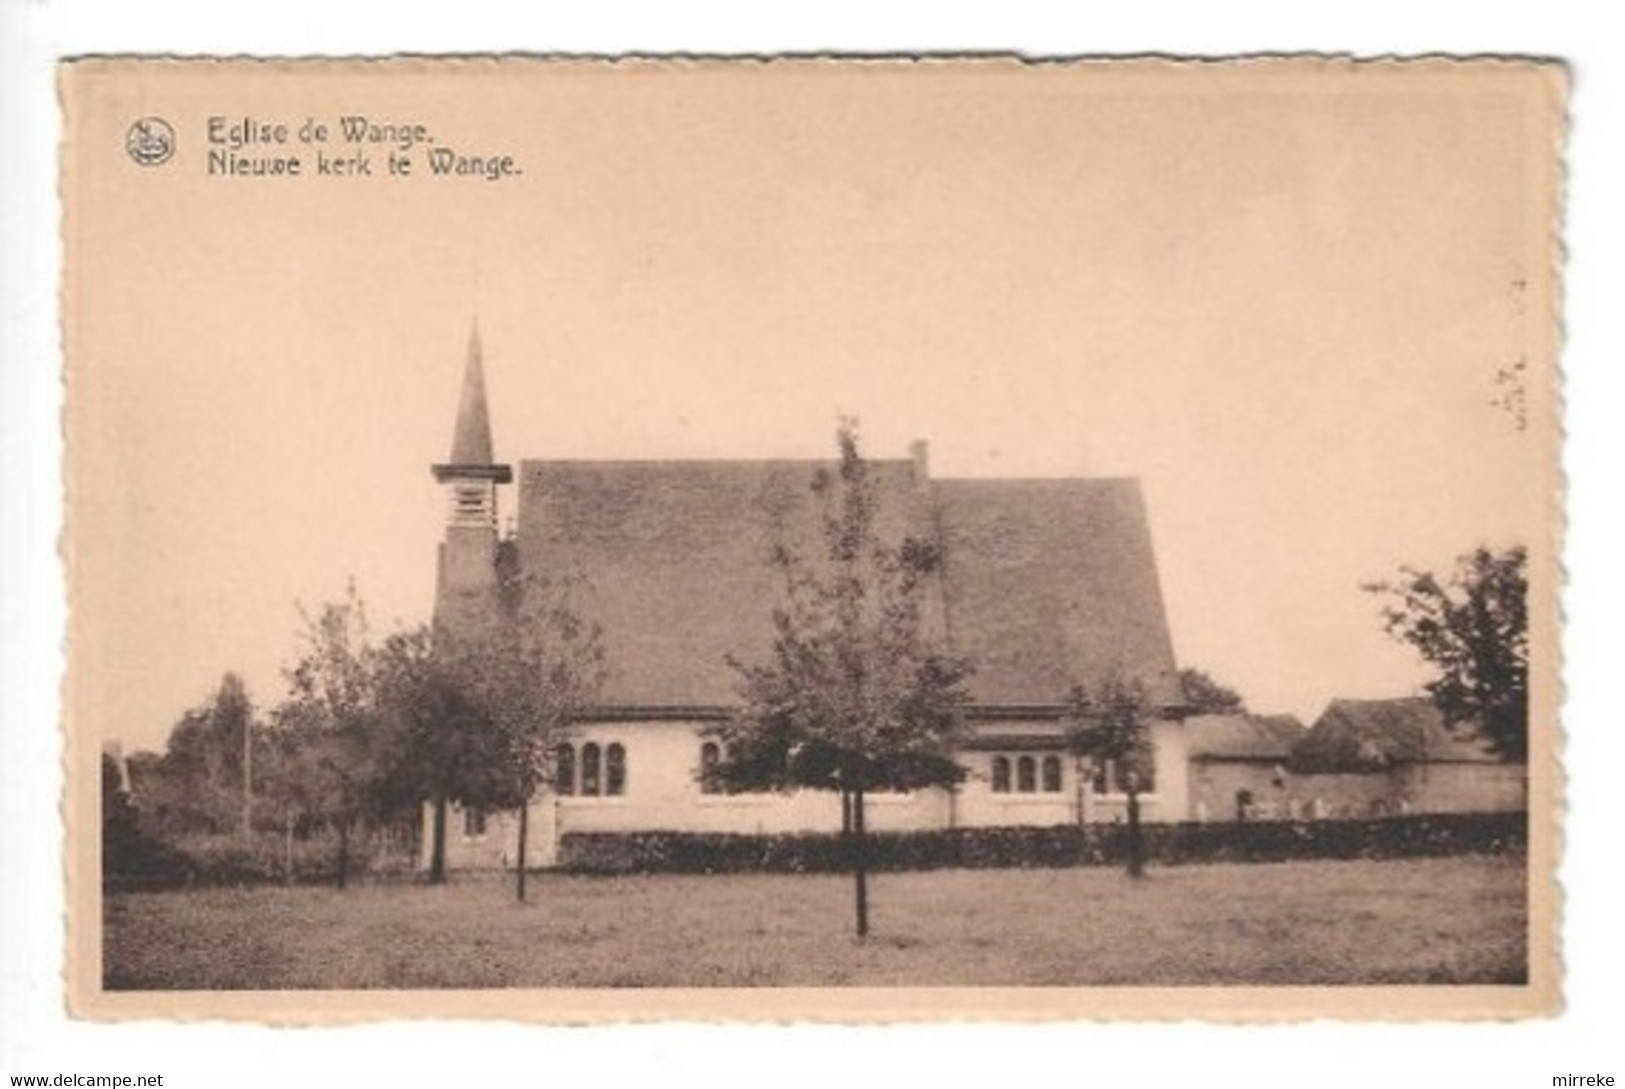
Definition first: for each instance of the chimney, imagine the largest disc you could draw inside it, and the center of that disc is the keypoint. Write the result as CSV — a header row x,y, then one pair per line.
x,y
920,451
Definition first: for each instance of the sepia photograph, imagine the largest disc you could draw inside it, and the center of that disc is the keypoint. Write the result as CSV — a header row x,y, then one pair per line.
x,y
577,539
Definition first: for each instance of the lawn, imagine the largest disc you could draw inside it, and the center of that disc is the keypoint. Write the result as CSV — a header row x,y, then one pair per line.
x,y
1445,920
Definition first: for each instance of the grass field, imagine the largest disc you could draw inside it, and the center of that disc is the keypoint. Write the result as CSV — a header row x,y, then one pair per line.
x,y
1447,920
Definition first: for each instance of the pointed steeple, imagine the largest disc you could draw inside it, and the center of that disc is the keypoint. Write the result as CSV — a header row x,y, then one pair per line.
x,y
471,443
471,455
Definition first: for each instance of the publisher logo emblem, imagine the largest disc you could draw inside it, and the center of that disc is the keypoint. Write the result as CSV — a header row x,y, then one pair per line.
x,y
150,141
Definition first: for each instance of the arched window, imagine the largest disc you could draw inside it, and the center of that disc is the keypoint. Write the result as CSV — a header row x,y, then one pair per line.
x,y
1001,775
1026,775
564,769
615,769
710,757
1052,774
590,765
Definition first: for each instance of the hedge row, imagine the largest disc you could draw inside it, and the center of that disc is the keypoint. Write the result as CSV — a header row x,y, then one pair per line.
x,y
229,860
1064,845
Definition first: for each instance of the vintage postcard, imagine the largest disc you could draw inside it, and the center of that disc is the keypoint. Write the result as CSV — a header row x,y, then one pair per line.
x,y
635,538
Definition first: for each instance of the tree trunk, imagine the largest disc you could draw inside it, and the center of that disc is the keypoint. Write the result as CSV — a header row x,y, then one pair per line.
x,y
437,847
344,851
1080,775
248,784
860,862
1136,847
287,849
524,833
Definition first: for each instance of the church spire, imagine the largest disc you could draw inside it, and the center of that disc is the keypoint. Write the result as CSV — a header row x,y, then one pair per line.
x,y
472,473
468,582
471,442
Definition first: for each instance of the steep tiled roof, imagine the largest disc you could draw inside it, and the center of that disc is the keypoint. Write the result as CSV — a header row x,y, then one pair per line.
x,y
1047,583
1242,737
1366,735
1051,583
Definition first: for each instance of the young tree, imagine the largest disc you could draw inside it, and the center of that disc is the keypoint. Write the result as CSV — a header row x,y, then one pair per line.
x,y
1473,628
529,678
857,696
1206,696
1109,727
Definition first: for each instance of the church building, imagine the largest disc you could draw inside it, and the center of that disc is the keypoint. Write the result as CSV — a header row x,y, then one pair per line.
x,y
1046,584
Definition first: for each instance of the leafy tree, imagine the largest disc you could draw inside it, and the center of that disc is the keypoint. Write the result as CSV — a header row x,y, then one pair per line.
x,y
1473,629
1205,696
856,697
441,749
330,759
472,714
201,783
1110,728
286,794
173,792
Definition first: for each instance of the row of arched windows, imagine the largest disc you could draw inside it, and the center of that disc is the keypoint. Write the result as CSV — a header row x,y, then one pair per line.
x,y
1029,775
600,771
1018,775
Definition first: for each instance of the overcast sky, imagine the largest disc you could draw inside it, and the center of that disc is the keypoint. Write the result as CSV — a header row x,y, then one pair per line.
x,y
1279,302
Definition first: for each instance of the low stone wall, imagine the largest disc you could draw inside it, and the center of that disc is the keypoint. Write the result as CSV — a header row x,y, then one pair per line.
x,y
1063,845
